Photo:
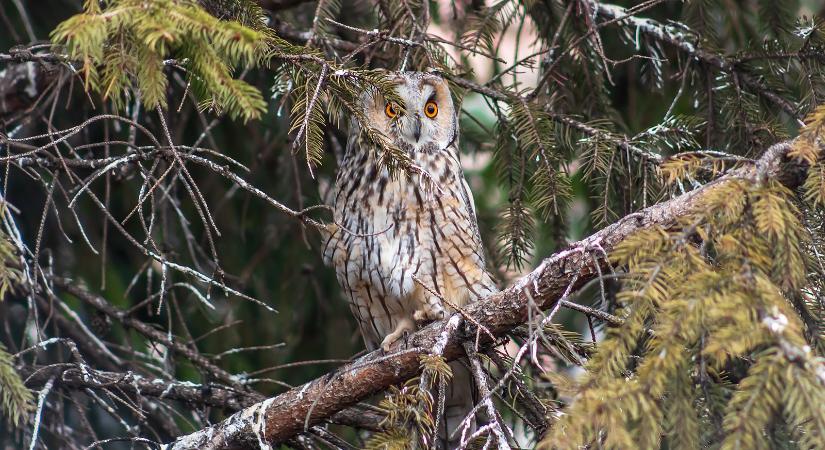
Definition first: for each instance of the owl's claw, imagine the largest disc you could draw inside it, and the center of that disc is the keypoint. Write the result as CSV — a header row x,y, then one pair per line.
x,y
428,315
404,326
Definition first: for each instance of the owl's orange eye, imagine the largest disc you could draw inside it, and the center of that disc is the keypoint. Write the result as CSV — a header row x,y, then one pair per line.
x,y
431,109
391,111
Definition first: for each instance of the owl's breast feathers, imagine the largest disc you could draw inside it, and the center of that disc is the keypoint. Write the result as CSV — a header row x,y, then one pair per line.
x,y
406,247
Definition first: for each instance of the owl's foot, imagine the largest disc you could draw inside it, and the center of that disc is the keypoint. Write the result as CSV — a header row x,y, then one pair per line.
x,y
429,314
404,326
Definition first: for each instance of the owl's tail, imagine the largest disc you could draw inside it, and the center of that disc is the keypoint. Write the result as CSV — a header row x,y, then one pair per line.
x,y
460,398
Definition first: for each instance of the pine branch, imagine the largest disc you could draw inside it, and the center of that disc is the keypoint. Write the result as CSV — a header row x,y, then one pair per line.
x,y
80,376
100,304
279,418
84,377
287,31
647,156
623,142
233,395
15,399
677,38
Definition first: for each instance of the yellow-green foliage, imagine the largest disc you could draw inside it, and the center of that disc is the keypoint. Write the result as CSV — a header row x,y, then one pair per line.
x,y
702,302
125,43
807,148
410,420
9,274
688,165
15,399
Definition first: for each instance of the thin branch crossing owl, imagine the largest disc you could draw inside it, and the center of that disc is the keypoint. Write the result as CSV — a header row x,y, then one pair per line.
x,y
407,248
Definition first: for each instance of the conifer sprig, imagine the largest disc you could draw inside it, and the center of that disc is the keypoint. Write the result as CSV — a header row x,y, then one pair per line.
x,y
713,291
125,45
15,399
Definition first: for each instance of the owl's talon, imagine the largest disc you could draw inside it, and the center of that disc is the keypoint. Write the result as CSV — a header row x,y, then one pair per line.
x,y
421,315
404,326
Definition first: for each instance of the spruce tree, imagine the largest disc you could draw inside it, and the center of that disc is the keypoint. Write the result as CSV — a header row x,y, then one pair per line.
x,y
648,185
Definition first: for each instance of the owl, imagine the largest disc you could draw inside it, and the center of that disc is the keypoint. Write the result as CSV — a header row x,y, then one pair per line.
x,y
406,249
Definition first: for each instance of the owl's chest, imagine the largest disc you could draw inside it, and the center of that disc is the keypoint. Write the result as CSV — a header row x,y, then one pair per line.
x,y
394,219
391,228
368,191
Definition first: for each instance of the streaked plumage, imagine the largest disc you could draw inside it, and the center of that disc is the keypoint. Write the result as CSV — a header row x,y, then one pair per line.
x,y
407,248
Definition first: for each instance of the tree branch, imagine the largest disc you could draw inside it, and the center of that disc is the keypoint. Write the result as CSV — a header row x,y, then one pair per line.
x,y
149,332
279,418
677,38
75,376
84,377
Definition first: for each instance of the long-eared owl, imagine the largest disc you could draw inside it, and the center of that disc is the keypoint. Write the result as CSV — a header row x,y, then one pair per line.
x,y
407,248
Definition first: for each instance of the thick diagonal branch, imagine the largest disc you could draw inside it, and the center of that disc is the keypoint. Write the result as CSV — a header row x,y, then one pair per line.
x,y
278,418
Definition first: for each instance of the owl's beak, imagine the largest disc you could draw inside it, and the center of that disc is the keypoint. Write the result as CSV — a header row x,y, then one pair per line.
x,y
417,128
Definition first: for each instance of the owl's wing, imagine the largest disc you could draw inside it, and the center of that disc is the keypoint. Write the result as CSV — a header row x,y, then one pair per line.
x,y
469,202
487,285
468,198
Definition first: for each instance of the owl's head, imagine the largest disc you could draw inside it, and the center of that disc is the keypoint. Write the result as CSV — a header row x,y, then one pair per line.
x,y
428,121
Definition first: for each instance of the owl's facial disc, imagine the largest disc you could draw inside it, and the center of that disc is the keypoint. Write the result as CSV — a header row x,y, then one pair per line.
x,y
426,123
411,128
418,127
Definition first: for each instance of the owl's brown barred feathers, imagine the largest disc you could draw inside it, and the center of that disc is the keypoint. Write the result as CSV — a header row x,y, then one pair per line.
x,y
407,248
